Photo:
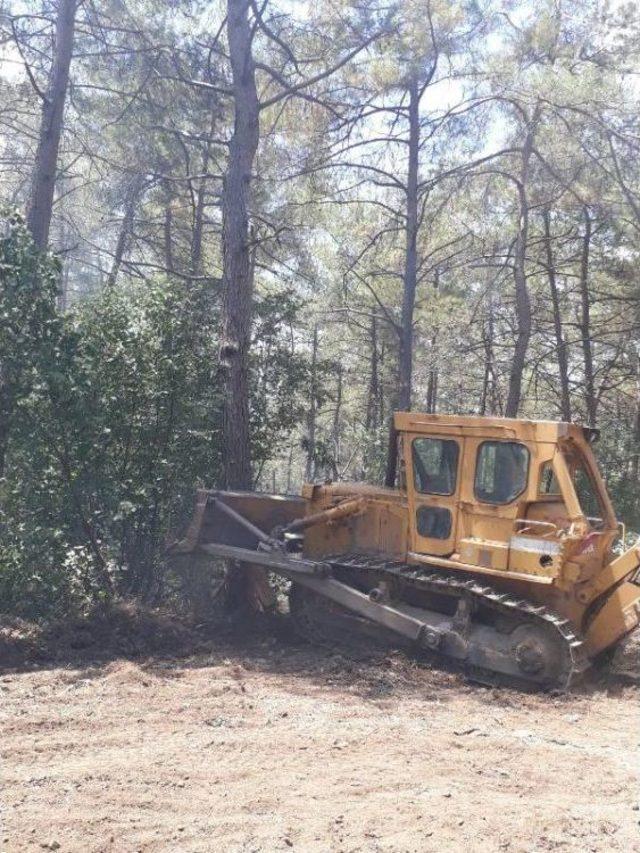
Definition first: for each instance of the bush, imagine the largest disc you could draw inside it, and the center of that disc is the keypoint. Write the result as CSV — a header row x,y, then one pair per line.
x,y
115,420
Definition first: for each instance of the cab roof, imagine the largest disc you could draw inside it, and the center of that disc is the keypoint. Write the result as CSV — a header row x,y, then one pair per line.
x,y
481,427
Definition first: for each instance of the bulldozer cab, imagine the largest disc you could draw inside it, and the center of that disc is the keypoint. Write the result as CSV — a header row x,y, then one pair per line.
x,y
500,495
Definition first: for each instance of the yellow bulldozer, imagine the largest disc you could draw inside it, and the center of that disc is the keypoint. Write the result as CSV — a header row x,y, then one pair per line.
x,y
498,548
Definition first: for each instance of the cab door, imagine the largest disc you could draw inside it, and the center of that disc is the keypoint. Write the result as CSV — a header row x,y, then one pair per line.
x,y
433,464
497,488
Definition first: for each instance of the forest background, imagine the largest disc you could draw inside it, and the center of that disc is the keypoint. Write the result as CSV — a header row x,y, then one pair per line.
x,y
236,235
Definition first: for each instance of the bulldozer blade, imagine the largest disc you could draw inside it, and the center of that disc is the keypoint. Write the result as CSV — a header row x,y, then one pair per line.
x,y
617,617
215,519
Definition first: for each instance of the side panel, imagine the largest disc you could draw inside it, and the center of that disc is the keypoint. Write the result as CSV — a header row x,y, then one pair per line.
x,y
381,528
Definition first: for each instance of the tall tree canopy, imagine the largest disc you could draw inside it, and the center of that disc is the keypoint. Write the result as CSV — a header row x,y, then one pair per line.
x,y
287,220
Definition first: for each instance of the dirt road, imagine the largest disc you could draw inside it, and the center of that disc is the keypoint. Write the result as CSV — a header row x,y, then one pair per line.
x,y
275,747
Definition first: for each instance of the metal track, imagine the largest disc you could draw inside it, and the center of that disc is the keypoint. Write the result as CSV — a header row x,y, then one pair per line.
x,y
406,577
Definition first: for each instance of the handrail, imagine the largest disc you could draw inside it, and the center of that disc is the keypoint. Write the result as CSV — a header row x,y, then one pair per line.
x,y
530,522
536,521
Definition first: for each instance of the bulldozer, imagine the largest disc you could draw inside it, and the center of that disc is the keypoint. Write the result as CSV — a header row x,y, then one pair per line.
x,y
496,548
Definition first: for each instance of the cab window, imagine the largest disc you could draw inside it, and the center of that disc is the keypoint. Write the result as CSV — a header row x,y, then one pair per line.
x,y
433,522
585,486
587,494
435,465
549,484
501,471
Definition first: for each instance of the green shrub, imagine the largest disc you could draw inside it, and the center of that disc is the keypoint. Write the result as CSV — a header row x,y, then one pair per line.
x,y
115,419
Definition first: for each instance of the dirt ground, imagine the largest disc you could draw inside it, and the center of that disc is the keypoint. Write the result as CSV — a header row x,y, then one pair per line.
x,y
268,745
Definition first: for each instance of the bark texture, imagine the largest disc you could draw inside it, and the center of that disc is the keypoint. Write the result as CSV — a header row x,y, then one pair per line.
x,y
561,344
310,469
410,278
590,397
237,279
40,205
411,255
373,391
523,301
131,201
432,385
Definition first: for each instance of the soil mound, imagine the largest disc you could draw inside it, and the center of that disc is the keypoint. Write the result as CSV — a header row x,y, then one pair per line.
x,y
124,630
625,662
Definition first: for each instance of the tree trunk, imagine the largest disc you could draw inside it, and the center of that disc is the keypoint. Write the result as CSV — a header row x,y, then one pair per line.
x,y
169,260
488,401
198,213
289,470
62,298
126,227
237,279
405,365
371,421
310,471
590,398
634,462
249,586
43,183
382,396
335,430
405,352
432,384
487,344
561,344
523,301
196,238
